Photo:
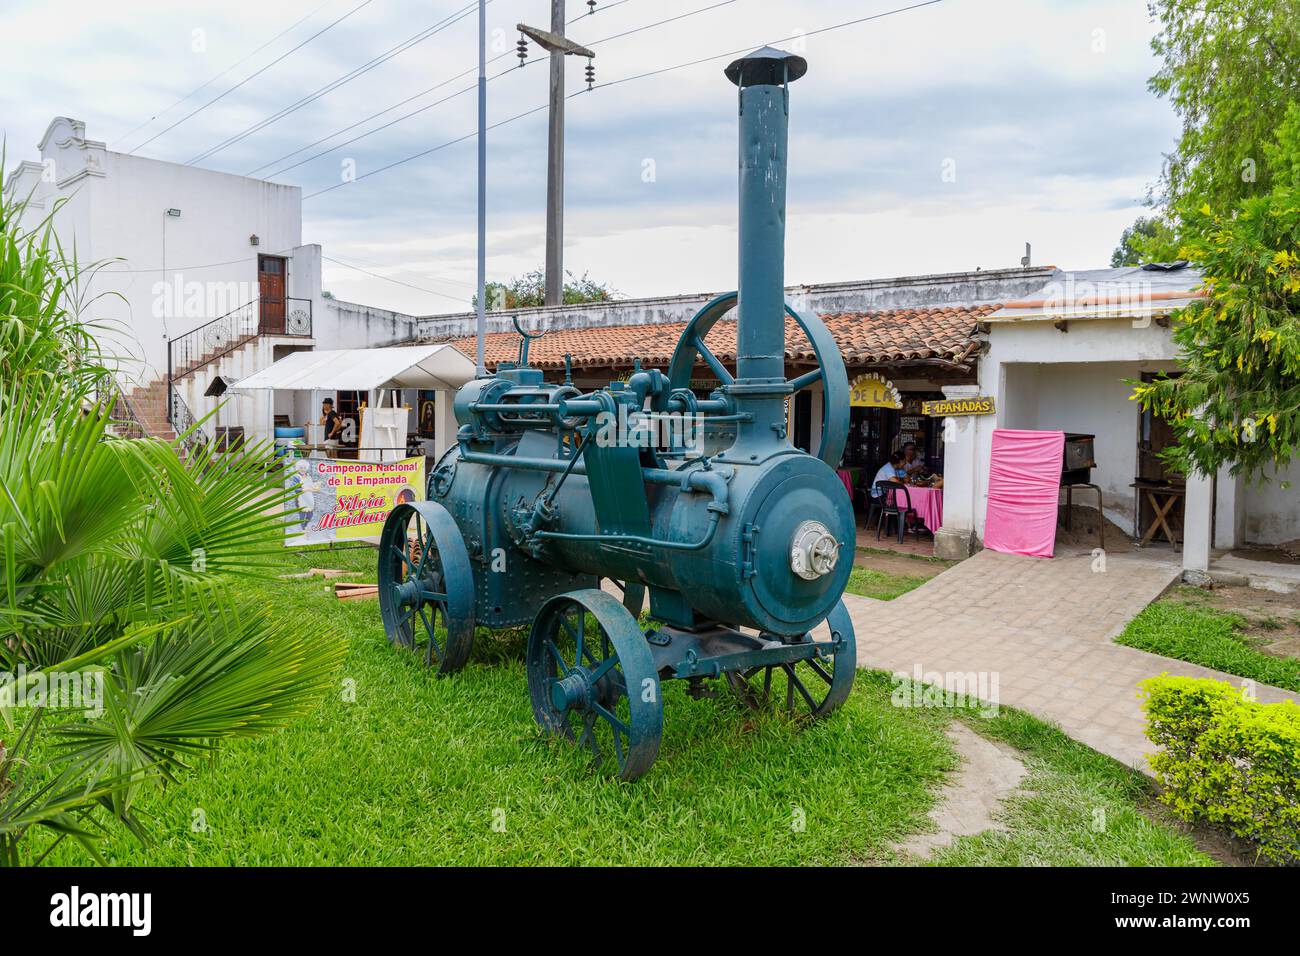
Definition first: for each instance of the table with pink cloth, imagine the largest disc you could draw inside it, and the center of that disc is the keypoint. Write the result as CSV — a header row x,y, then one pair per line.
x,y
928,505
847,478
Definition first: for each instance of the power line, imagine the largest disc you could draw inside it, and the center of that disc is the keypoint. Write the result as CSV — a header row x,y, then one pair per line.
x,y
650,26
335,84
416,96
400,119
445,280
325,152
747,49
388,109
433,149
626,79
218,76
254,75
394,281
193,268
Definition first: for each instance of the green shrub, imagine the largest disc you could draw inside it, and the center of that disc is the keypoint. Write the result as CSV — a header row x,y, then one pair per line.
x,y
1228,760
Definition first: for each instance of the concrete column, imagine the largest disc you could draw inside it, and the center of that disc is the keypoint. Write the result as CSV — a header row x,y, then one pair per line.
x,y
955,540
816,395
1229,509
1196,527
444,422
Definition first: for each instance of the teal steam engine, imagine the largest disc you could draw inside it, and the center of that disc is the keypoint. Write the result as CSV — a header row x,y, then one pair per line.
x,y
742,542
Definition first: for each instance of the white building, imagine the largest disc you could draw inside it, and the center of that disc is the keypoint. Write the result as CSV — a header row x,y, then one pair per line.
x,y
199,275
1062,359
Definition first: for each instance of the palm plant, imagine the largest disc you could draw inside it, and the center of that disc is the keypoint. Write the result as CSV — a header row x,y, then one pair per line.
x,y
116,558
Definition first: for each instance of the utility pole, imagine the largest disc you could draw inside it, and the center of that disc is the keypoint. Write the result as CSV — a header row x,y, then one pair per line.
x,y
555,169
559,47
481,303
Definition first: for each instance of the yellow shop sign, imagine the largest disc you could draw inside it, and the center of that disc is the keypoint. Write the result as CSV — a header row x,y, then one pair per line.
x,y
979,405
870,390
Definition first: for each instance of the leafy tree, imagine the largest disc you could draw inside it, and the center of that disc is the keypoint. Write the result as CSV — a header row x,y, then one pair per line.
x,y
116,557
1238,399
529,291
1230,68
1149,239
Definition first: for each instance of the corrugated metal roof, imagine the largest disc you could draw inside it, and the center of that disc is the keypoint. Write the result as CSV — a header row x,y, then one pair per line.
x,y
1131,292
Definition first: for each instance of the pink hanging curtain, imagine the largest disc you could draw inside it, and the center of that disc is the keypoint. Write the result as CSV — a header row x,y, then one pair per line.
x,y
1024,488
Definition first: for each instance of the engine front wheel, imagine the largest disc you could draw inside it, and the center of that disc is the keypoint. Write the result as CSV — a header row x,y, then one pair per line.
x,y
592,679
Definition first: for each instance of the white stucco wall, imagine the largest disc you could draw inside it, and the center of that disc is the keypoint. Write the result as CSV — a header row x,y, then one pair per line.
x,y
1043,378
347,325
114,213
1272,511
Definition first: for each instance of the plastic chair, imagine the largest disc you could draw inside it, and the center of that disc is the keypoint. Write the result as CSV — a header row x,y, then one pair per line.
x,y
866,504
890,507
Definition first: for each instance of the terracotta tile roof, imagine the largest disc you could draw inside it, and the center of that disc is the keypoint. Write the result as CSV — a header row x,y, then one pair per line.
x,y
865,338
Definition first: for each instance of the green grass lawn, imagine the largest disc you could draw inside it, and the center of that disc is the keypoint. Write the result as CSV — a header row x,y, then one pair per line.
x,y
882,585
1209,638
400,767
1076,808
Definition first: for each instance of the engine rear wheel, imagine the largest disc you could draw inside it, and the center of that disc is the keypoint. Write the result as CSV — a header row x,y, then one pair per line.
x,y
808,688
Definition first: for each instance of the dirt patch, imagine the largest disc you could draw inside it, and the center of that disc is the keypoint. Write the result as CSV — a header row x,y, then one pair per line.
x,y
990,773
1287,553
899,564
1083,531
1211,840
1270,621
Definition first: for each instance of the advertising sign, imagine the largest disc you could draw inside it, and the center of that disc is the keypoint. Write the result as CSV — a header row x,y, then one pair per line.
x,y
871,390
335,500
980,405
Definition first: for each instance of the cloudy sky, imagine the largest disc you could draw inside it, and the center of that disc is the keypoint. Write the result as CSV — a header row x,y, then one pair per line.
x,y
932,140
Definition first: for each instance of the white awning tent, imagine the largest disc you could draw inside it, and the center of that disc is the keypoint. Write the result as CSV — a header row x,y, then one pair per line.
x,y
409,366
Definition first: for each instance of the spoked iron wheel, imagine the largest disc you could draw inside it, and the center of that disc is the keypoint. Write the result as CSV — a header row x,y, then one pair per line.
x,y
830,372
808,688
426,587
592,679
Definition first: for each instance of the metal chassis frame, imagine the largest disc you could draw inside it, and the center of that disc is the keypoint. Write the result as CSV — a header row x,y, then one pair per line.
x,y
681,655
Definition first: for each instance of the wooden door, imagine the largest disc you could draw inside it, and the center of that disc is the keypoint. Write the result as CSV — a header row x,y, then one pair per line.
x,y
270,282
1155,434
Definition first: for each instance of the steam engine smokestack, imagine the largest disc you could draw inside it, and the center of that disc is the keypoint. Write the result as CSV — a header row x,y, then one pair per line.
x,y
763,78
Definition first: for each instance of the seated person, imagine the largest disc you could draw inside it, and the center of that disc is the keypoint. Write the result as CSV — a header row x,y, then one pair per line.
x,y
892,470
913,465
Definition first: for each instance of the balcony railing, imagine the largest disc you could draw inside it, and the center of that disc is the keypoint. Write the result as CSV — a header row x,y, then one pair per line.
x,y
183,421
201,346
211,340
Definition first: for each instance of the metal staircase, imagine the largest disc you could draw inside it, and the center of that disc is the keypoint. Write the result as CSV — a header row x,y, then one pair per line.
x,y
157,408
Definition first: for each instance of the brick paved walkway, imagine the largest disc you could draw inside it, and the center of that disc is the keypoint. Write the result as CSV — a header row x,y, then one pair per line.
x,y
1043,629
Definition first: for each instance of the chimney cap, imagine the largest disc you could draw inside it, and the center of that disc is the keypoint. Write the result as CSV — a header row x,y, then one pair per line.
x,y
764,67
